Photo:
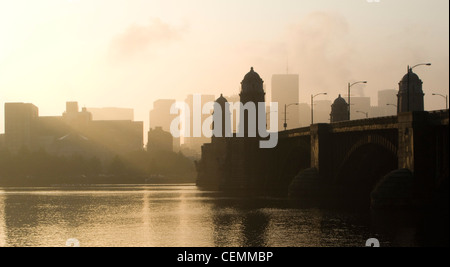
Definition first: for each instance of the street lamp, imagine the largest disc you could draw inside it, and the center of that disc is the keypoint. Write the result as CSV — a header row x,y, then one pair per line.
x,y
285,113
365,113
446,99
409,72
349,87
312,106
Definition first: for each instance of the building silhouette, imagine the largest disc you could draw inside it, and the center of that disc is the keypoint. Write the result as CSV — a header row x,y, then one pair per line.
x,y
20,126
339,110
285,91
2,142
111,114
74,117
159,140
160,117
72,133
387,102
410,94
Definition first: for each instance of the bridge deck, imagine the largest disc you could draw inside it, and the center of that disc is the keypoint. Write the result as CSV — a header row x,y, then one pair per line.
x,y
439,117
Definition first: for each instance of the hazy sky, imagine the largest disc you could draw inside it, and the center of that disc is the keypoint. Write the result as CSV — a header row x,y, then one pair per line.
x,y
128,53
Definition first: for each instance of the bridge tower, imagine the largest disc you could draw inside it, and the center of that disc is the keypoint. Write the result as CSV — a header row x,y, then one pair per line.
x,y
410,95
222,116
252,91
339,110
245,156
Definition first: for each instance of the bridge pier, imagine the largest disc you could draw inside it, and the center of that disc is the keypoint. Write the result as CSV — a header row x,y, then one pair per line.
x,y
321,149
411,129
421,138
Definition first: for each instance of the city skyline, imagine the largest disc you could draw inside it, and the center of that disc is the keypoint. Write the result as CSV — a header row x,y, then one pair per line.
x,y
130,59
217,124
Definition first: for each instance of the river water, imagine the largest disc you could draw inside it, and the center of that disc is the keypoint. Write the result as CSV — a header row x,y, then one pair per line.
x,y
170,216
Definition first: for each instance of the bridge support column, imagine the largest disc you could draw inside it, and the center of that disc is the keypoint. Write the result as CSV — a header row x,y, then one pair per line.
x,y
417,148
321,149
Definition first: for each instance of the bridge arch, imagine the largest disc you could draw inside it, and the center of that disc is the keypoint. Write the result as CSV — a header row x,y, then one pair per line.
x,y
366,140
365,163
295,158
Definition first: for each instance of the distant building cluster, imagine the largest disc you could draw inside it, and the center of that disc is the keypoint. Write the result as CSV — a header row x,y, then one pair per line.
x,y
106,131
161,120
75,132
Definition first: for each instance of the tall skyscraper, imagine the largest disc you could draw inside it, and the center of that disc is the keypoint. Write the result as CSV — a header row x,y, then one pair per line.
x,y
285,91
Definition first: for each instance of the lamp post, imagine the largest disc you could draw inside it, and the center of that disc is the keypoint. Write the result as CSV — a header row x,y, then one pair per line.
x,y
285,113
446,99
407,86
312,106
349,87
365,113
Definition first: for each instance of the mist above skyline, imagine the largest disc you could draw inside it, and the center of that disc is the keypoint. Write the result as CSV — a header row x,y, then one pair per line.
x,y
131,53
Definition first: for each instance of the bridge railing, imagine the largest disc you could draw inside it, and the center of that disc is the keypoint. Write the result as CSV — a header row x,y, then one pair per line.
x,y
439,116
295,132
370,121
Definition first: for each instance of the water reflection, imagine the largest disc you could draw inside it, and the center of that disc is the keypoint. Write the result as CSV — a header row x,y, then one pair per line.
x,y
2,220
166,216
255,224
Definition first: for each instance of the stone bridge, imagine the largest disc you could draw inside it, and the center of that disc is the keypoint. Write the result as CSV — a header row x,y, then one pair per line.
x,y
353,155
356,154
